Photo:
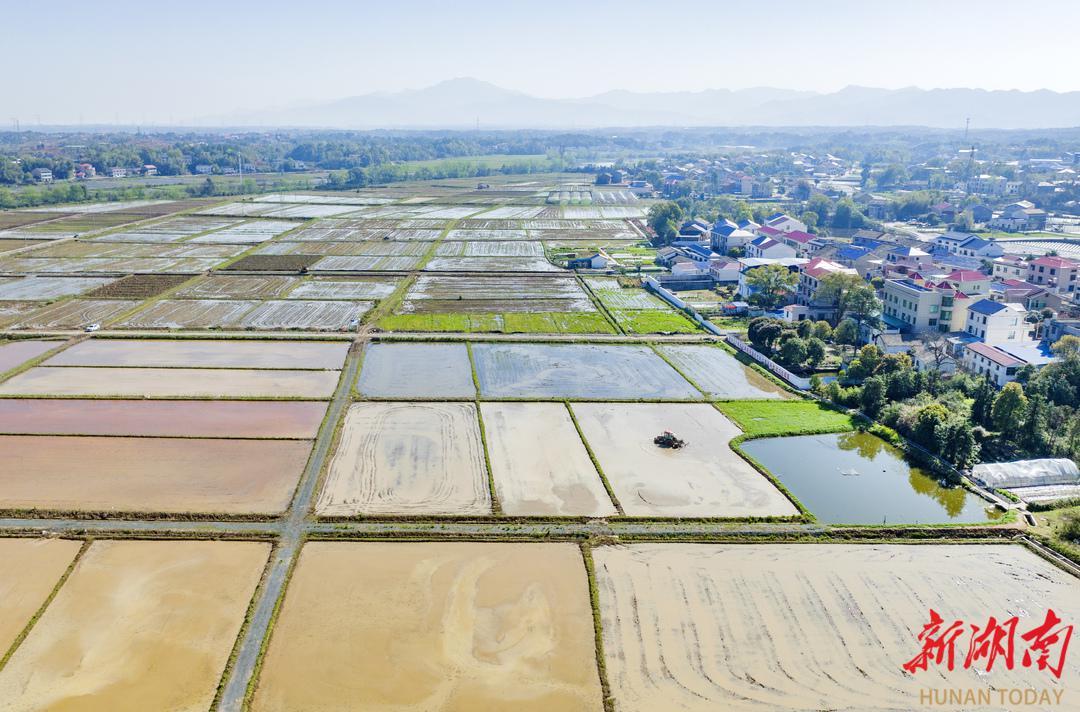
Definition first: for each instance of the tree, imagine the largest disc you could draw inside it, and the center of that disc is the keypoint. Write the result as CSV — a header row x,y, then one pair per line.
x,y
822,330
1067,347
793,352
1009,409
664,219
846,333
982,402
815,351
819,205
865,364
847,215
928,423
851,296
772,284
936,348
873,399
958,444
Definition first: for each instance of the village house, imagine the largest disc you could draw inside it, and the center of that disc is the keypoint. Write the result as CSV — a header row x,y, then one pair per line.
x,y
749,264
967,245
1010,267
1019,217
42,175
769,247
806,293
118,172
996,322
1056,273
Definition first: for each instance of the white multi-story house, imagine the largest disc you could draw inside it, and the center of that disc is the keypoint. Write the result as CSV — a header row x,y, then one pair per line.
x,y
997,322
1056,273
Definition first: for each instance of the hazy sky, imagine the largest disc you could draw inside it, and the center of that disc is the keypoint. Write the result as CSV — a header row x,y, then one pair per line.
x,y
140,62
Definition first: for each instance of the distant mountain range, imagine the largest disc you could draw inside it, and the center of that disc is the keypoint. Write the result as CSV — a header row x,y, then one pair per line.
x,y
462,103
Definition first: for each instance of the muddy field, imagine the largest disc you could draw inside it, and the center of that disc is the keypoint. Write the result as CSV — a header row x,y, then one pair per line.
x,y
407,458
206,419
14,353
433,626
704,479
810,626
718,373
490,264
32,567
576,371
416,371
104,474
140,625
205,353
138,286
539,464
171,383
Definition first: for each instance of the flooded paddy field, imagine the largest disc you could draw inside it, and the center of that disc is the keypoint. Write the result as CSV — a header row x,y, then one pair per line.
x,y
15,353
576,371
326,288
75,314
182,353
538,463
407,458
706,478
393,370
304,315
363,263
220,286
718,373
518,248
139,625
433,626
170,383
33,289
120,474
702,627
495,287
149,418
495,306
190,314
248,233
32,567
490,264
858,478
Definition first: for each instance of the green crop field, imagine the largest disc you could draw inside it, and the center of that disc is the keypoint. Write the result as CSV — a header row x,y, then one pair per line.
x,y
758,418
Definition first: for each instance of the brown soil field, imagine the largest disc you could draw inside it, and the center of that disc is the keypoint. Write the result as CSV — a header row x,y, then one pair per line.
x,y
138,286
31,569
13,353
539,464
704,479
9,245
14,218
407,458
210,354
274,263
812,626
105,474
171,383
207,419
190,314
433,626
139,625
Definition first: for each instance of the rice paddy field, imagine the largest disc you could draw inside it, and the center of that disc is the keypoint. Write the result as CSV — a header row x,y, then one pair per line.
x,y
374,450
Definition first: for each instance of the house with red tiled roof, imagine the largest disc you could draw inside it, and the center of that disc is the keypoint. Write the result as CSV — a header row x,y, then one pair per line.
x,y
1057,274
811,275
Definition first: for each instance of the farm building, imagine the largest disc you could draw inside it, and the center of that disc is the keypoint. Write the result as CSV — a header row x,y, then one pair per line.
x,y
593,261
1032,480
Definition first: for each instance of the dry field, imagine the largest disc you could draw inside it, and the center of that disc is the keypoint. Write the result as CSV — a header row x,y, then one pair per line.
x,y
170,383
109,474
576,371
704,479
190,314
718,373
13,353
433,626
274,263
809,626
140,625
32,568
148,418
76,314
407,458
416,371
539,464
204,353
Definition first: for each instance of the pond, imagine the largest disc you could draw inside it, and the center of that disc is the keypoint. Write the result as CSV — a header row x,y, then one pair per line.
x,y
857,478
